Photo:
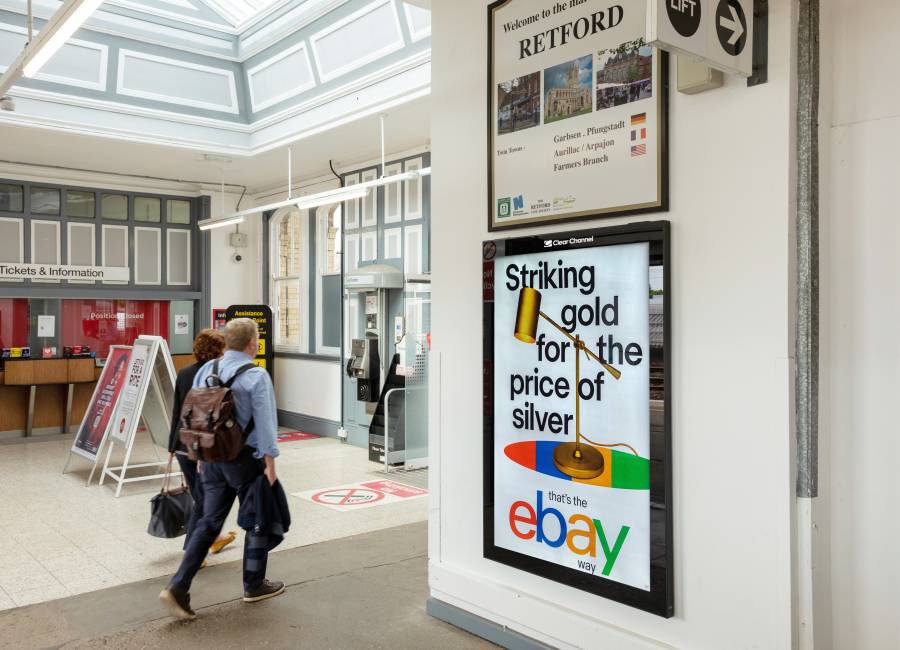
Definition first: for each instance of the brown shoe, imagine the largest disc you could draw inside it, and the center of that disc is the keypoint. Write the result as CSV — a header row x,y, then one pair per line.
x,y
178,603
219,544
268,589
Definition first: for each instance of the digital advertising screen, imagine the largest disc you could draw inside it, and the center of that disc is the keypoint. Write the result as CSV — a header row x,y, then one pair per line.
x,y
577,435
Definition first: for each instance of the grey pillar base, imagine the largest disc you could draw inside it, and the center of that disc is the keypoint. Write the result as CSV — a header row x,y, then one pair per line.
x,y
482,627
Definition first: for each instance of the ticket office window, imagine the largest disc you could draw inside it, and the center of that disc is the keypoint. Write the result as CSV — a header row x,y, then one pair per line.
x,y
103,323
97,324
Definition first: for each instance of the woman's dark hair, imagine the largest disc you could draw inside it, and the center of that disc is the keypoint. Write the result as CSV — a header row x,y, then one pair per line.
x,y
208,345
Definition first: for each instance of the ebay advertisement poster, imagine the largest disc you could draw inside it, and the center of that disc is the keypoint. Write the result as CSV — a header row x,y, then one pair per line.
x,y
571,408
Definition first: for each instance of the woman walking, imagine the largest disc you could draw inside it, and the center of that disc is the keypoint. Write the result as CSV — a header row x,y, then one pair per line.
x,y
208,345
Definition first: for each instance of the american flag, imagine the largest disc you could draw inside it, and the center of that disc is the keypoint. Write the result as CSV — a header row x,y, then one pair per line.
x,y
638,150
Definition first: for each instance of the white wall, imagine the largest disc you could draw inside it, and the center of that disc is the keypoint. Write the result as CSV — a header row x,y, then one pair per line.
x,y
309,387
234,283
861,309
732,213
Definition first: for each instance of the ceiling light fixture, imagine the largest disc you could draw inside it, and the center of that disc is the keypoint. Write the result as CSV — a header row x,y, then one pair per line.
x,y
56,31
348,193
209,224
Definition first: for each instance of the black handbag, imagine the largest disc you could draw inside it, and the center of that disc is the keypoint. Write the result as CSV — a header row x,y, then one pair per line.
x,y
170,510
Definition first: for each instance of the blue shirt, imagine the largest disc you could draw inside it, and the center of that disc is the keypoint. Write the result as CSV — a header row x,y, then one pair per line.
x,y
254,396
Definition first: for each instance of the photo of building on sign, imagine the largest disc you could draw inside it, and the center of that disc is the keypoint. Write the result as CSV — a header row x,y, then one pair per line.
x,y
519,103
567,89
625,74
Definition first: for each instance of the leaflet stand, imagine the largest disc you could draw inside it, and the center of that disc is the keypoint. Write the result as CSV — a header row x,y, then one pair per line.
x,y
147,397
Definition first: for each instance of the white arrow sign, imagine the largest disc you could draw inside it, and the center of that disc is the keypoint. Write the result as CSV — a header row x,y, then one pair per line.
x,y
733,25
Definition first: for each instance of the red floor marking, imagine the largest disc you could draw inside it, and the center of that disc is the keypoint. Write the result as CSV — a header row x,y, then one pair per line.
x,y
293,436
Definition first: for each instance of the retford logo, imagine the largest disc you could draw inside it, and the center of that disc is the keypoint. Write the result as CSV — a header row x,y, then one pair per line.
x,y
550,243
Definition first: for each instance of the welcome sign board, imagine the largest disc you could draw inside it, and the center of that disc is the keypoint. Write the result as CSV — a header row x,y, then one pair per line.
x,y
577,112
577,440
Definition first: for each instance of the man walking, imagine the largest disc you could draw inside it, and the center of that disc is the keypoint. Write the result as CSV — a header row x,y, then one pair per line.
x,y
254,400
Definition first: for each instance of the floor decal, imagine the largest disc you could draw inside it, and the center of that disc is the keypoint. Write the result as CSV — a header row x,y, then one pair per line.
x,y
293,436
362,495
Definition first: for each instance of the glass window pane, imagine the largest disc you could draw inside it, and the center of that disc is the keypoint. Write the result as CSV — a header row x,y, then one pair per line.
x,y
146,252
81,244
80,204
44,242
114,206
178,211
288,313
288,246
147,208
115,247
102,323
179,257
11,240
12,198
44,200
333,242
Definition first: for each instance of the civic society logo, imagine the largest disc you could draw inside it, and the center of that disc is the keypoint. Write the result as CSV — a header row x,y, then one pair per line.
x,y
503,207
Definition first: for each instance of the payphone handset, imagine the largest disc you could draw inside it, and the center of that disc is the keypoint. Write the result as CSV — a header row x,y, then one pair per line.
x,y
359,366
364,365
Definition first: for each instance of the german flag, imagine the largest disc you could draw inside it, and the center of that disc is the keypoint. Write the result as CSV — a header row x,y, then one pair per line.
x,y
640,118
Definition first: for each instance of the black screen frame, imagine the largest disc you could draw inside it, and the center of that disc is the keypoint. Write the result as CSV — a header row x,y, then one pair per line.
x,y
659,599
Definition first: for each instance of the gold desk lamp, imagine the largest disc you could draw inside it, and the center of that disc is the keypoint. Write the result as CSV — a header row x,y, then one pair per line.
x,y
570,458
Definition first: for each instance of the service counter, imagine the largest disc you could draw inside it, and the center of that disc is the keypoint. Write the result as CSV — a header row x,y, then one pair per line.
x,y
47,396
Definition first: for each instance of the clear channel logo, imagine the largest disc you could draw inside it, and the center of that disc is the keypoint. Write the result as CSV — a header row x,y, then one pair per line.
x,y
550,243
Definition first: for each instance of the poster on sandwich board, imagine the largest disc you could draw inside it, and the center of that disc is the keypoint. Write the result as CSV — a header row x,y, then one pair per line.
x,y
95,423
577,112
577,423
147,394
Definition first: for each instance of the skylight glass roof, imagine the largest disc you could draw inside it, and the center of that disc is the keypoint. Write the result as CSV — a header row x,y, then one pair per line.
x,y
238,12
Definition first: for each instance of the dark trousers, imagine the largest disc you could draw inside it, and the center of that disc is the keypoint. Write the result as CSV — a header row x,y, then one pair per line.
x,y
222,482
192,478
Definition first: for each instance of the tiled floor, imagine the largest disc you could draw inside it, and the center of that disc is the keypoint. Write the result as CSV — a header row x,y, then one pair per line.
x,y
62,538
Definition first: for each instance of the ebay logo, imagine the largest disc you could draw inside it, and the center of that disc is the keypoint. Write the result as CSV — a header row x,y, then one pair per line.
x,y
580,533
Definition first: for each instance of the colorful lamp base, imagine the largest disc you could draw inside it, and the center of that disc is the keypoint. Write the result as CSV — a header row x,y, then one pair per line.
x,y
622,470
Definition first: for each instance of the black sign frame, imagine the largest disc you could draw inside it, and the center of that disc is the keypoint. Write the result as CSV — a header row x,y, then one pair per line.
x,y
661,69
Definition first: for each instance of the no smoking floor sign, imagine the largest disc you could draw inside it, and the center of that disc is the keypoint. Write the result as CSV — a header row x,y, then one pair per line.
x,y
357,496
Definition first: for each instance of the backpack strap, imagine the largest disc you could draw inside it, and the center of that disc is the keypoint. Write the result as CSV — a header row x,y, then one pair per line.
x,y
213,376
240,371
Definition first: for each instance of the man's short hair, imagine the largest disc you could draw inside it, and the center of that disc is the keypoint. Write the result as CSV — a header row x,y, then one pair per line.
x,y
239,332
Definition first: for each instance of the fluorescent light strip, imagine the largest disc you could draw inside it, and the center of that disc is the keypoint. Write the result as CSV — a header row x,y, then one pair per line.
x,y
56,32
209,224
328,197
